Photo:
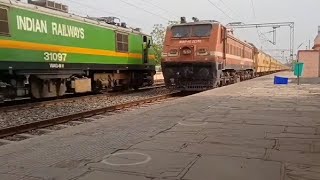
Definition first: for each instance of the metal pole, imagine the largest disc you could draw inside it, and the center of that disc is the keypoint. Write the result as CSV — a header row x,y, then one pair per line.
x,y
309,44
298,74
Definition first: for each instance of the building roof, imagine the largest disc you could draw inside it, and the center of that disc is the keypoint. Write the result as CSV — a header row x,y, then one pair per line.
x,y
317,41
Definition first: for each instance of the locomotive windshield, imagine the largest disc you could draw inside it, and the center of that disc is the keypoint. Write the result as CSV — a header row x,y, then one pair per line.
x,y
181,31
201,30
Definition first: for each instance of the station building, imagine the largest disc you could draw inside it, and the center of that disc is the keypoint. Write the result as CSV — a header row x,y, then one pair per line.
x,y
311,59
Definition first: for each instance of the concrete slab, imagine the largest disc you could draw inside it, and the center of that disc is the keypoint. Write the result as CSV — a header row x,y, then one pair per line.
x,y
243,142
301,172
58,173
98,175
231,168
174,146
10,176
294,157
135,161
179,137
250,130
225,150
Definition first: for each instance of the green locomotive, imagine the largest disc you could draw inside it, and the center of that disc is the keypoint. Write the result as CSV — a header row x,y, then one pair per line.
x,y
47,52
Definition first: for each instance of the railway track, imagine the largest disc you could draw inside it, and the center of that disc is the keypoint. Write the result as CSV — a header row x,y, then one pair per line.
x,y
82,116
24,131
29,104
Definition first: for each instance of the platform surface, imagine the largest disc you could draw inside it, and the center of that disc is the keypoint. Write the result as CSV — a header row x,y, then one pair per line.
x,y
248,131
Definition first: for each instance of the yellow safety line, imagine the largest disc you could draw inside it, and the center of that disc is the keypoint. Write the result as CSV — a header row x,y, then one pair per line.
x,y
9,44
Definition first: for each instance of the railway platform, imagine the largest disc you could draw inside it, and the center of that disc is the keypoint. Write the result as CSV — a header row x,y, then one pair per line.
x,y
252,130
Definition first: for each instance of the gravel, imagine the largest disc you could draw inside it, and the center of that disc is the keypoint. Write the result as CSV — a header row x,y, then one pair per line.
x,y
36,132
15,138
63,108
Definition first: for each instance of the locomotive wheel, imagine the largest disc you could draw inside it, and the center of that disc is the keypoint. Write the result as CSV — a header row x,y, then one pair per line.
x,y
236,79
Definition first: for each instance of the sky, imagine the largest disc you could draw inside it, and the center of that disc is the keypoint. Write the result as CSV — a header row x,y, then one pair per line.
x,y
146,13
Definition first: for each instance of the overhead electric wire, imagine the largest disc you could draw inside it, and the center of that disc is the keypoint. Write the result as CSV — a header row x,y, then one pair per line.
x,y
221,10
262,37
98,9
253,10
227,6
157,6
133,5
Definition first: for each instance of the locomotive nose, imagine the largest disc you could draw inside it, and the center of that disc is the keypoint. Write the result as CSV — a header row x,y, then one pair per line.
x,y
187,72
203,73
186,51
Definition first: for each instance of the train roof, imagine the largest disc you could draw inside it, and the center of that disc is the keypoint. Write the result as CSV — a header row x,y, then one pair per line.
x,y
69,16
230,35
203,22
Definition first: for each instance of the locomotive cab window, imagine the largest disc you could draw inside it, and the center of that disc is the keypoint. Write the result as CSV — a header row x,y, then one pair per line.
x,y
4,22
122,42
186,31
201,30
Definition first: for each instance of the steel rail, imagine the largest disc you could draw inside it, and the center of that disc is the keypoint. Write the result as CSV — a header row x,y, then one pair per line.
x,y
11,131
41,103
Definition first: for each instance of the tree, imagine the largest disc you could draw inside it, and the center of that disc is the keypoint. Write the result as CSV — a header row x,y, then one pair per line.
x,y
158,36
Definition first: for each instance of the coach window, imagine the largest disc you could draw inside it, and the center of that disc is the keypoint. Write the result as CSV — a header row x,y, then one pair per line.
x,y
122,42
4,23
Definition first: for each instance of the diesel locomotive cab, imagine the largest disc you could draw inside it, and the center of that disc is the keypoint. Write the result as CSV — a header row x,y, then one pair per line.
x,y
186,63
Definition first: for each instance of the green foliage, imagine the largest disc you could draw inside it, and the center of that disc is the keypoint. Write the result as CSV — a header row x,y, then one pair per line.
x,y
158,36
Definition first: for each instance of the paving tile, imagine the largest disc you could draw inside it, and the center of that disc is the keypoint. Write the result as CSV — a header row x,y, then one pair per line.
x,y
301,130
294,157
315,147
297,122
292,135
231,168
245,127
190,137
98,175
225,150
292,144
161,164
189,129
10,176
240,132
58,173
244,142
30,178
301,172
161,145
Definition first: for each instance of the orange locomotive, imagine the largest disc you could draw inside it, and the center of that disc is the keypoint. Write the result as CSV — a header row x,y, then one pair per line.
x,y
201,55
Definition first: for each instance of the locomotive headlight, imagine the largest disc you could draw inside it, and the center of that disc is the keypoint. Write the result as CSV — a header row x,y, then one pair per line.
x,y
202,52
173,52
186,51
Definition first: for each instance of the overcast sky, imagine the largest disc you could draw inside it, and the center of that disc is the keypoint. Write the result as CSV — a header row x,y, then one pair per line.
x,y
146,13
